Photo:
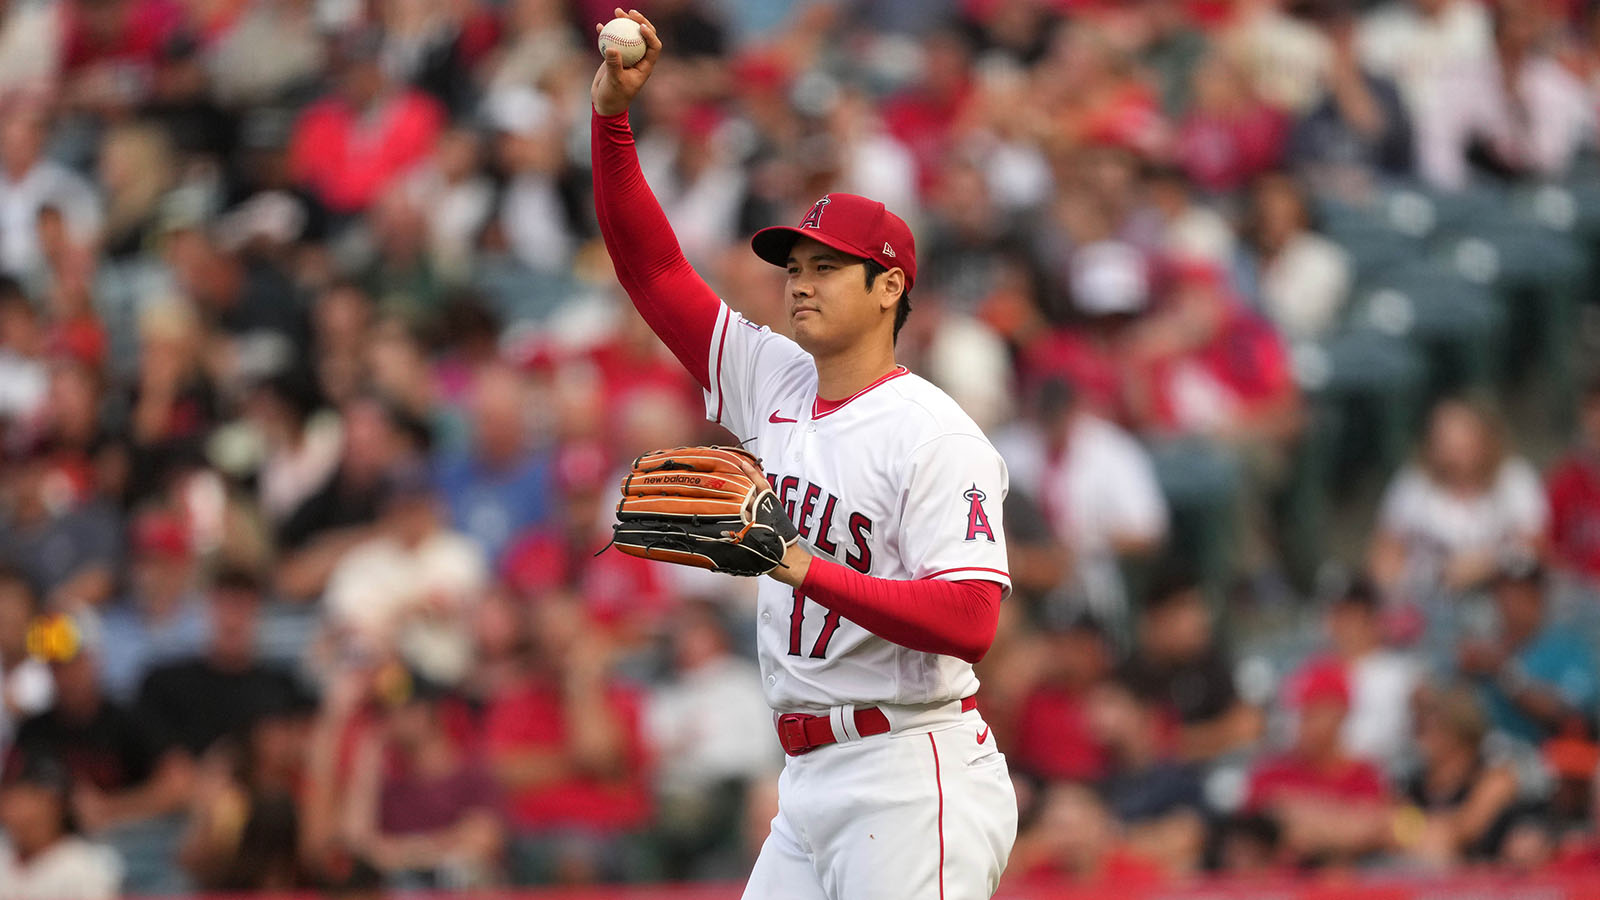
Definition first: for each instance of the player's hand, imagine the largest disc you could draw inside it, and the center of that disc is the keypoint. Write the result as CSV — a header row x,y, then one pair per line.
x,y
796,559
615,85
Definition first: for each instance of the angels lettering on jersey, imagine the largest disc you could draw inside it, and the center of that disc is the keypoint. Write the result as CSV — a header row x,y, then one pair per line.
x,y
813,511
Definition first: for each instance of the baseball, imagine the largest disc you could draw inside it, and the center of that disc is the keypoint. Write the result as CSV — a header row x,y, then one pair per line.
x,y
624,35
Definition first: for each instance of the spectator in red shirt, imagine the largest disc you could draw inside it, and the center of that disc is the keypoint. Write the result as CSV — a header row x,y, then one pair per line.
x,y
1230,136
1574,490
1331,807
110,48
568,749
1204,364
349,147
924,117
1053,739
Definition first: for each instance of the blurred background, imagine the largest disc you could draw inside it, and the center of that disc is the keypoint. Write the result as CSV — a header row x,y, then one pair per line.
x,y
315,383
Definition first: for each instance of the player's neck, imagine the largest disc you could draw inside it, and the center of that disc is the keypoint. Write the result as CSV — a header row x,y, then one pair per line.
x,y
843,374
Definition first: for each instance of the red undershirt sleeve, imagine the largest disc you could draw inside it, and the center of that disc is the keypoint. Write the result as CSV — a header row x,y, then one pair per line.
x,y
955,618
673,299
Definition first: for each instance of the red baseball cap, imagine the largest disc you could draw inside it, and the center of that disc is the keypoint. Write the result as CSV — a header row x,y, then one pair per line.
x,y
1320,681
850,224
163,534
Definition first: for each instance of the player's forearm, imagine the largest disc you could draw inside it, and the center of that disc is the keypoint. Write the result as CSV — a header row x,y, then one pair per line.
x,y
955,618
678,305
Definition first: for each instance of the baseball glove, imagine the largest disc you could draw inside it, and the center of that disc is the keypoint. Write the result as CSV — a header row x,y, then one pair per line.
x,y
696,506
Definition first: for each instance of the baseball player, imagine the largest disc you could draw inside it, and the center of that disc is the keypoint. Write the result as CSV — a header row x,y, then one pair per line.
x,y
869,627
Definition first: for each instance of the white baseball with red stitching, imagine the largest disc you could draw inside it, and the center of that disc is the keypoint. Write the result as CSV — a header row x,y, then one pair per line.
x,y
624,35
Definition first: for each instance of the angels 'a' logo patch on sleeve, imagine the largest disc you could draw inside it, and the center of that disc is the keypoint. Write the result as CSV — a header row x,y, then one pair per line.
x,y
977,520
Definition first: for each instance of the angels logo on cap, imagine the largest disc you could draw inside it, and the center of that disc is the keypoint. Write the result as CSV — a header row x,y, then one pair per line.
x,y
813,218
852,225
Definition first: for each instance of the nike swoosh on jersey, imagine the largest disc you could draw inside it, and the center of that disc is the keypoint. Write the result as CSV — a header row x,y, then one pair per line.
x,y
777,419
983,735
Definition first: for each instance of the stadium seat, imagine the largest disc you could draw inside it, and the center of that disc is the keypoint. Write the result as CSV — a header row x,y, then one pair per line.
x,y
1457,323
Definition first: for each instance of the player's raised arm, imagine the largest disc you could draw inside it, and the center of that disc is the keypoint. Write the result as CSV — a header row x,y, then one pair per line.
x,y
678,305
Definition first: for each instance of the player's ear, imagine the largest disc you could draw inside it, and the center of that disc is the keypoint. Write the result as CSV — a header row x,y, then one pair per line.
x,y
892,284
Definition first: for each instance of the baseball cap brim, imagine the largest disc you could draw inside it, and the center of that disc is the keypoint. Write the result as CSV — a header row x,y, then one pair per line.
x,y
774,243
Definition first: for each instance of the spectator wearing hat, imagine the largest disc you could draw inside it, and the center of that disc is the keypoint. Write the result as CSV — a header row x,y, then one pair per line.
x,y
501,488
1461,801
1332,807
1538,678
1573,487
1109,285
163,619
1181,666
1382,680
25,685
121,771
42,857
224,689
422,808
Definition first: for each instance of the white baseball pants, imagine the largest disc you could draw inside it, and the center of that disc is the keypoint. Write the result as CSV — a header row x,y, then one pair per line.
x,y
912,815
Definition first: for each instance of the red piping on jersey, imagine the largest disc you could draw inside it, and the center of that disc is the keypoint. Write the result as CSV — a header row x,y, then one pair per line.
x,y
954,618
938,784
1005,575
727,316
821,407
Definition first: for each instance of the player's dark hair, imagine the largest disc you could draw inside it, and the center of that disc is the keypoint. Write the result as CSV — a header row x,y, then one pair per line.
x,y
874,269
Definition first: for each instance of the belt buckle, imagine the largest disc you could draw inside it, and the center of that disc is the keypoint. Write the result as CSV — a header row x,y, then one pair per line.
x,y
792,734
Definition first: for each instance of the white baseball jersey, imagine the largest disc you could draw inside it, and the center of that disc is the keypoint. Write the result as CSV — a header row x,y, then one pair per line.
x,y
896,482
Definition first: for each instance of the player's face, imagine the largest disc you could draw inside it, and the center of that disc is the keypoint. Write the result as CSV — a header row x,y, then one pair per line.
x,y
830,306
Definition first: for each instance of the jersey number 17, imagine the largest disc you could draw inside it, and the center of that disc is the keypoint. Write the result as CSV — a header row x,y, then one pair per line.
x,y
797,618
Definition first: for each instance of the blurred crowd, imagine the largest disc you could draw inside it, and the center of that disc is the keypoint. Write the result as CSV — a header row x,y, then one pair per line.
x,y
315,383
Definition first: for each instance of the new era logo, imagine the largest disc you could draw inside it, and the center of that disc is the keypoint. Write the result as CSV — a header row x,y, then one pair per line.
x,y
888,250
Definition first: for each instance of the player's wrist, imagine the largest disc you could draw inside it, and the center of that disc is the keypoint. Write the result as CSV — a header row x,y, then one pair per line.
x,y
796,565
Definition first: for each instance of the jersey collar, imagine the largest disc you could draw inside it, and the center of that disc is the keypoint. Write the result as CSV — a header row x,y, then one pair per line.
x,y
821,407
